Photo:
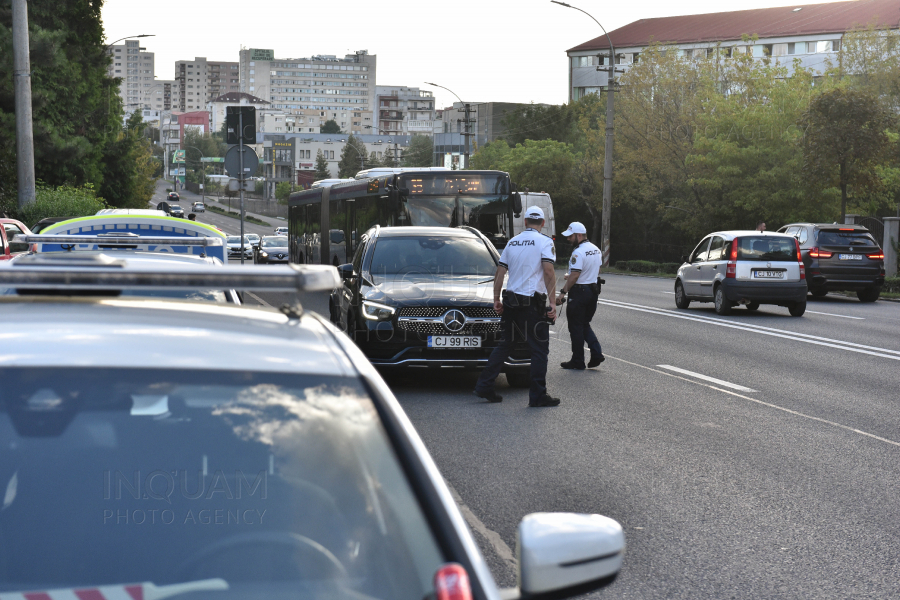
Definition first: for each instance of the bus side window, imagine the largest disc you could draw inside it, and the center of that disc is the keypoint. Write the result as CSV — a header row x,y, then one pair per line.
x,y
313,228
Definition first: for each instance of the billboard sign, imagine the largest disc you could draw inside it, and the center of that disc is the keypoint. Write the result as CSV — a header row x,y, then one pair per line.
x,y
257,54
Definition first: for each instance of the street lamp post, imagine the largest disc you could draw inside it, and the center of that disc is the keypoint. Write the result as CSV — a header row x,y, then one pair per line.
x,y
608,154
467,109
202,169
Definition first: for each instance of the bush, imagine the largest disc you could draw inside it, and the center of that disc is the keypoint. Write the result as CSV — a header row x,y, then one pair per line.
x,y
62,201
670,268
622,265
891,285
643,266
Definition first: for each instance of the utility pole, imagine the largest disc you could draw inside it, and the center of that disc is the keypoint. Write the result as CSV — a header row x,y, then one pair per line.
x,y
22,84
241,142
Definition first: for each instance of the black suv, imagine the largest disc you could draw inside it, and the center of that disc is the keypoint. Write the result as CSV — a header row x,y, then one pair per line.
x,y
423,296
840,258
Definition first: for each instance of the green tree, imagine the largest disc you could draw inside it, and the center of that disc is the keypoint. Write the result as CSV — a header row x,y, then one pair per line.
x,y
330,126
77,112
282,191
373,161
62,201
541,122
353,157
130,169
846,139
322,171
420,152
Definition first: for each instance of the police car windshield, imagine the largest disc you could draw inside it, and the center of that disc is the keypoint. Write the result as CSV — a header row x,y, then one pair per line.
x,y
268,481
427,256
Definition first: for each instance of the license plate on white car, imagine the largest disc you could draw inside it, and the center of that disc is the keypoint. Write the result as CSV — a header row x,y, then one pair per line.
x,y
454,341
768,274
850,256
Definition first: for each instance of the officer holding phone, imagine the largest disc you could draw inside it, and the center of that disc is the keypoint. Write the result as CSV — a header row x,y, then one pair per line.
x,y
524,314
583,287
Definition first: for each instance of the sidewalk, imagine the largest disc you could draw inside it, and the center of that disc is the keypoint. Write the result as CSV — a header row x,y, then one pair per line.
x,y
190,197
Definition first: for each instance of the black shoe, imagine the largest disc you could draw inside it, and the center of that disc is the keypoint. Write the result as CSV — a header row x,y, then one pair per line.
x,y
490,396
596,361
545,401
571,364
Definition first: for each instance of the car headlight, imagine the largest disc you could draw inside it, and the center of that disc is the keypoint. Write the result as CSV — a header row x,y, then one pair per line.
x,y
374,311
264,254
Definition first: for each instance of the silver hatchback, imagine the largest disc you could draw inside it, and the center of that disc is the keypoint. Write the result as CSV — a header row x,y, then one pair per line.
x,y
743,267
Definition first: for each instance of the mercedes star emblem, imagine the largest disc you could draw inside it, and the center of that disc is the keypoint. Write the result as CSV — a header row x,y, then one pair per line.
x,y
454,320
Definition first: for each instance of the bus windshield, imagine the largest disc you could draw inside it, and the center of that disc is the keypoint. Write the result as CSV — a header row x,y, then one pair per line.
x,y
488,214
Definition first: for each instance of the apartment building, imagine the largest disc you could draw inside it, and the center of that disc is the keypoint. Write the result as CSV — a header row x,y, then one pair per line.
x,y
199,81
217,108
286,156
135,66
810,33
316,89
403,110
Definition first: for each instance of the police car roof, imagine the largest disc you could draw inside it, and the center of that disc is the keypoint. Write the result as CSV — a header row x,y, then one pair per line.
x,y
124,332
132,256
432,231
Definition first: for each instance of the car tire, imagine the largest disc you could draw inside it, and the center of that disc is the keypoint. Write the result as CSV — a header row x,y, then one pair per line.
x,y
797,309
869,294
681,300
752,305
519,378
723,304
818,292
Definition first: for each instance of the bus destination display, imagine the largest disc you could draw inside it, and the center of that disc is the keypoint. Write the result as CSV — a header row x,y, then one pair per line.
x,y
455,183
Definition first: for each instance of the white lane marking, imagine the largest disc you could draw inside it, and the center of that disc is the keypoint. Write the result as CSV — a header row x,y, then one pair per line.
x,y
769,404
833,315
733,386
258,299
493,538
781,333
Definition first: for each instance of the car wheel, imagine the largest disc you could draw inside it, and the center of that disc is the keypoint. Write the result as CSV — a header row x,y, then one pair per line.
x,y
752,305
681,301
869,294
818,292
723,304
797,309
519,378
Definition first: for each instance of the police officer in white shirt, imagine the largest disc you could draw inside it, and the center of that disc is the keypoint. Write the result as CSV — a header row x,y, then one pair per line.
x,y
524,314
583,289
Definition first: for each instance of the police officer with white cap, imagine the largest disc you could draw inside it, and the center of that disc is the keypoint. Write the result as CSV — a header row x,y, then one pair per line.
x,y
582,288
524,314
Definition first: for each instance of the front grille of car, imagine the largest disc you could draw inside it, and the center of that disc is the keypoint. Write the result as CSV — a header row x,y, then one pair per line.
x,y
437,328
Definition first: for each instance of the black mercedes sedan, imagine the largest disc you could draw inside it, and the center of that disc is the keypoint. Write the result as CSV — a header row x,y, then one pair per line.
x,y
422,296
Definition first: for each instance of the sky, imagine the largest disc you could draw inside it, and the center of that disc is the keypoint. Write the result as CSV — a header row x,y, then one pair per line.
x,y
483,50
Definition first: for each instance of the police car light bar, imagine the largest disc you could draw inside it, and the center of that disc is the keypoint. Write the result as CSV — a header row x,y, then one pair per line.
x,y
45,272
121,238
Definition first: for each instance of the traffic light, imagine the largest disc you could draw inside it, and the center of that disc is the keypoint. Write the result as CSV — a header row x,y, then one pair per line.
x,y
232,124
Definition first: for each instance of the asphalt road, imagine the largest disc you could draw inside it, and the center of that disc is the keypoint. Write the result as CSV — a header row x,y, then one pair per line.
x,y
777,478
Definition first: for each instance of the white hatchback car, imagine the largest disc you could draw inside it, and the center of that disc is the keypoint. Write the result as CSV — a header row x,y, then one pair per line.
x,y
743,267
275,465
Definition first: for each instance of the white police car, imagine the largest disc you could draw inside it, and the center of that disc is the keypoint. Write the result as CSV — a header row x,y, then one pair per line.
x,y
143,458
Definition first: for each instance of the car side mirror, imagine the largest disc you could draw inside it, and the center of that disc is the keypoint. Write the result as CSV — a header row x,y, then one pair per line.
x,y
517,204
564,554
346,271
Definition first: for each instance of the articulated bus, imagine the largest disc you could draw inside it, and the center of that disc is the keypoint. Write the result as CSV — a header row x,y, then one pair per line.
x,y
485,200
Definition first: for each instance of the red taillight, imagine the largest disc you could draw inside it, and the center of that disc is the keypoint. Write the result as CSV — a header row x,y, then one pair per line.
x,y
799,254
846,229
802,271
816,253
879,256
734,248
451,582
730,270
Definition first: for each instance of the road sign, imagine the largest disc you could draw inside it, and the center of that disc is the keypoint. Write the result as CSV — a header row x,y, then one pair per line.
x,y
215,159
234,185
177,171
178,157
233,162
233,115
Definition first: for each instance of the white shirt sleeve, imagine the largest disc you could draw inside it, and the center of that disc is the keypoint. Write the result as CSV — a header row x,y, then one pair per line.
x,y
504,260
576,263
548,252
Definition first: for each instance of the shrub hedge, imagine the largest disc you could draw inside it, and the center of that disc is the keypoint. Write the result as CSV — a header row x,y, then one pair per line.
x,y
646,266
892,285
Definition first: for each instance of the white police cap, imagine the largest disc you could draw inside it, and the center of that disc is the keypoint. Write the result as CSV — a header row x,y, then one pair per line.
x,y
574,227
535,213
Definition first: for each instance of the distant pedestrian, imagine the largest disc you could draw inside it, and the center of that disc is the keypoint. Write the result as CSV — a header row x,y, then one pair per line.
x,y
583,289
529,259
761,226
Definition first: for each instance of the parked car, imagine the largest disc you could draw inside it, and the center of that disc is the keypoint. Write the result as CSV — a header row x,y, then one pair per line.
x,y
276,465
9,228
282,230
198,207
840,258
423,296
272,249
233,242
743,267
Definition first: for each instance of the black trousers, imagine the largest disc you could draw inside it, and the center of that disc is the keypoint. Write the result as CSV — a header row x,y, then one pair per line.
x,y
581,308
521,324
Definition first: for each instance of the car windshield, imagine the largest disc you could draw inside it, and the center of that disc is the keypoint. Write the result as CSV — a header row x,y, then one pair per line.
x,y
252,236
233,239
846,238
431,255
274,242
270,485
767,248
